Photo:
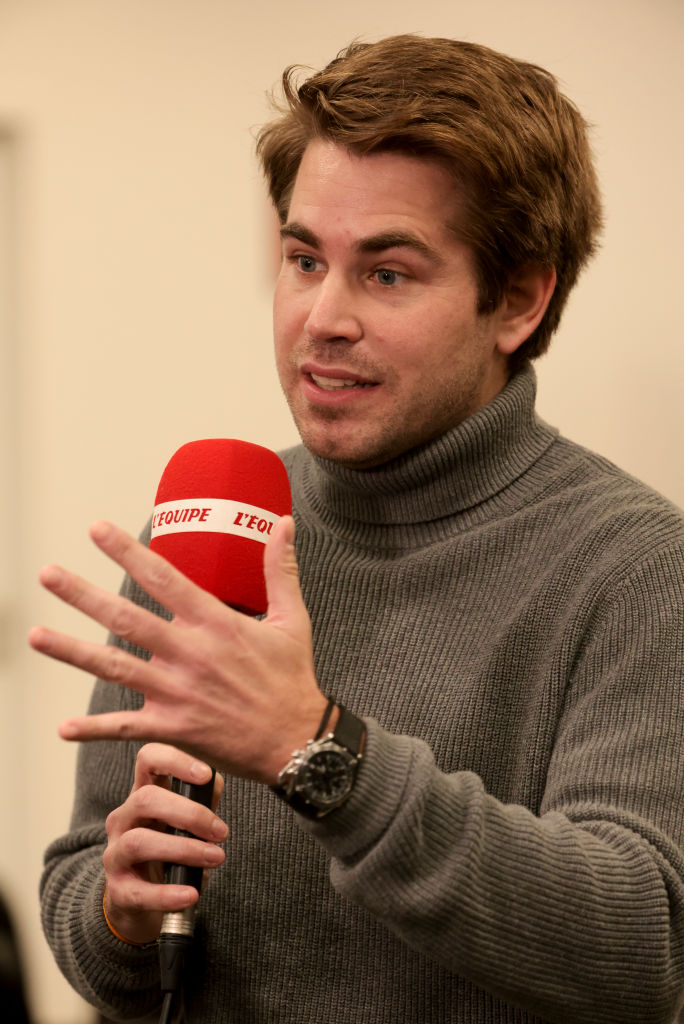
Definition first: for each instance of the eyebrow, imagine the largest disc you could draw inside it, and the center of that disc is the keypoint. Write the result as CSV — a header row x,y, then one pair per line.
x,y
373,244
300,234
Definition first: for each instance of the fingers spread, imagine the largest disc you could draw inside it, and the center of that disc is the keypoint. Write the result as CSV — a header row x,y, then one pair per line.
x,y
120,616
102,660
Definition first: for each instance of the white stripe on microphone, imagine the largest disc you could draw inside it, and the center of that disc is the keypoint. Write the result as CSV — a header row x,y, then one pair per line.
x,y
213,515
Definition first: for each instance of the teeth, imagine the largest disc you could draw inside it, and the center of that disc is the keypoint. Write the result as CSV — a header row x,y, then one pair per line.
x,y
336,384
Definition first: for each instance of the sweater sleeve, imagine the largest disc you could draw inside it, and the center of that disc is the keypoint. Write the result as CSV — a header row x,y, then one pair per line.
x,y
575,914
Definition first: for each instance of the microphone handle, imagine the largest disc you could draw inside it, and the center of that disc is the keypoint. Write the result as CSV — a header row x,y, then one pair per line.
x,y
175,937
182,922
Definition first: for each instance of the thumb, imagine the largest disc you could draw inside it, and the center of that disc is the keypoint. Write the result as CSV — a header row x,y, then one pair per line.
x,y
280,572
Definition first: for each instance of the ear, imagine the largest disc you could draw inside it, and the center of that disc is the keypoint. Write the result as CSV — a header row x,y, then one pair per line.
x,y
523,306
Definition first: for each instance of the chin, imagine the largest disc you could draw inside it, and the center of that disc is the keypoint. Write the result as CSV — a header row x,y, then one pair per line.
x,y
336,450
352,456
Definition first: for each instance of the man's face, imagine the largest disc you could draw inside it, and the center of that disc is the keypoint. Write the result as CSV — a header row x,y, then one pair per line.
x,y
379,345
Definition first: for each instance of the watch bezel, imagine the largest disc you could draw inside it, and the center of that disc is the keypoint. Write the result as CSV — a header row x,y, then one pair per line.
x,y
297,782
310,782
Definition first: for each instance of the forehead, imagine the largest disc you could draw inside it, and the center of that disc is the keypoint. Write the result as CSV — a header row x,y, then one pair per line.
x,y
367,193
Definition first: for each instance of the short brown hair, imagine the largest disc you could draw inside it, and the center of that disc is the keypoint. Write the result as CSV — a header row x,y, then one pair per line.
x,y
517,148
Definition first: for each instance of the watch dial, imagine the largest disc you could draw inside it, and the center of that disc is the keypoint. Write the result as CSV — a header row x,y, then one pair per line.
x,y
326,778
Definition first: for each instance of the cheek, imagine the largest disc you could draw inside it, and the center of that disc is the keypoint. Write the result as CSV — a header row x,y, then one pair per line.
x,y
289,313
282,325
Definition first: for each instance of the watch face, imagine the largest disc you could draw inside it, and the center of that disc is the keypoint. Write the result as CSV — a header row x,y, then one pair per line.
x,y
326,778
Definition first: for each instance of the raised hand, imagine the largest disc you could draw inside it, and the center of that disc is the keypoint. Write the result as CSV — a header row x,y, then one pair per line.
x,y
239,693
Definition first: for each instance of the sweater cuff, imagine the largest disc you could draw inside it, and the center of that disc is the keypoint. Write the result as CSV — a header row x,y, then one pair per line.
x,y
380,785
105,949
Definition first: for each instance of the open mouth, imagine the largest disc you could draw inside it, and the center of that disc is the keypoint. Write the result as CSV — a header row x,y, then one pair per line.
x,y
338,383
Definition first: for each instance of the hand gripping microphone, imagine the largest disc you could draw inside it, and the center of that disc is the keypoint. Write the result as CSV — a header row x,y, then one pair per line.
x,y
217,503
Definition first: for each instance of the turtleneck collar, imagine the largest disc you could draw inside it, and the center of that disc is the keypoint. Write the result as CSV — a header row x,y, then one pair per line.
x,y
463,468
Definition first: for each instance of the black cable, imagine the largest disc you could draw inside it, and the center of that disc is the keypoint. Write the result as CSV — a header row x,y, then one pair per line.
x,y
167,1009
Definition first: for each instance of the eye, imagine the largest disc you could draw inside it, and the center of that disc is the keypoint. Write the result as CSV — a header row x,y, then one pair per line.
x,y
307,264
386,277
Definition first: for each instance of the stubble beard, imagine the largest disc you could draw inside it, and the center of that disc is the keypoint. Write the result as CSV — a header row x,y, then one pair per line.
x,y
387,439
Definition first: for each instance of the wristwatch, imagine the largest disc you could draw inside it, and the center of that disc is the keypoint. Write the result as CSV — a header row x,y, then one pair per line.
x,y
320,777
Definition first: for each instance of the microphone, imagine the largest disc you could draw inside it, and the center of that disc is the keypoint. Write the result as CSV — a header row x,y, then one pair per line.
x,y
216,505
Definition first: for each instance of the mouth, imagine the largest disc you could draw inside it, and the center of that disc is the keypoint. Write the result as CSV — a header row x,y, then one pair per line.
x,y
338,383
336,388
335,378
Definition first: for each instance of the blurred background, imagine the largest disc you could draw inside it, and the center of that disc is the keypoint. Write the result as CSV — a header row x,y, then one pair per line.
x,y
136,267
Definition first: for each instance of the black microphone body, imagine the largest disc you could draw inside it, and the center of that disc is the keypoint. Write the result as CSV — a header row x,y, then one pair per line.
x,y
178,926
184,874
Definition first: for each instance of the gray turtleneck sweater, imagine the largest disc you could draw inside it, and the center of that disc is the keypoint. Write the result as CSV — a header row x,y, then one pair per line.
x,y
505,610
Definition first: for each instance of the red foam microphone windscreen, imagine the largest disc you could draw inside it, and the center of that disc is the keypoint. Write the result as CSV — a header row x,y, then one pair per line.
x,y
217,503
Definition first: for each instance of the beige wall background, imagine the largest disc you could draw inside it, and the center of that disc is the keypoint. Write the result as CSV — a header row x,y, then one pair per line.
x,y
135,276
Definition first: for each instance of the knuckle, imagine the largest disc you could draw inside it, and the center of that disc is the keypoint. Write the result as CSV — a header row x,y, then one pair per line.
x,y
136,897
145,800
133,845
149,754
203,662
114,889
156,761
112,822
122,621
160,574
126,730
117,666
142,758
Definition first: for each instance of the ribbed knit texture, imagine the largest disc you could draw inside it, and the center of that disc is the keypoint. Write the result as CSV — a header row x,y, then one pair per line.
x,y
505,609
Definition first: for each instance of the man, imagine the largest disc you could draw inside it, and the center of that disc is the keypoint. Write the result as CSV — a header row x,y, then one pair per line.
x,y
498,611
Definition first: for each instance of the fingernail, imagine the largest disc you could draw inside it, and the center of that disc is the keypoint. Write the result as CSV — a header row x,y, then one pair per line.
x,y
200,771
219,829
213,855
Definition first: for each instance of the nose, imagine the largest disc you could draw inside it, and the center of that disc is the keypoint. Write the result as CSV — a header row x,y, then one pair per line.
x,y
334,314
